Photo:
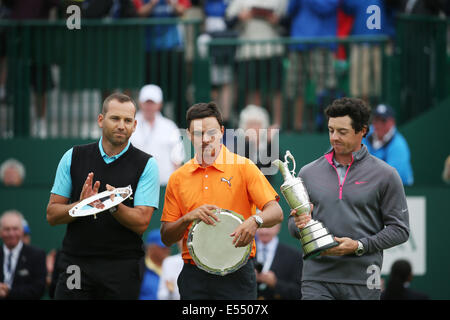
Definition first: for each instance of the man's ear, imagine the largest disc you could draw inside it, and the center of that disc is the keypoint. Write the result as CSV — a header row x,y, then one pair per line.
x,y
100,118
188,134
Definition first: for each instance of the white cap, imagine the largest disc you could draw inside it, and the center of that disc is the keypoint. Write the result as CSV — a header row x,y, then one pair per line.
x,y
151,92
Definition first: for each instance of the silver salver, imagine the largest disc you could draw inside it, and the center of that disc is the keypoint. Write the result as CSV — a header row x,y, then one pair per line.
x,y
101,202
314,237
211,246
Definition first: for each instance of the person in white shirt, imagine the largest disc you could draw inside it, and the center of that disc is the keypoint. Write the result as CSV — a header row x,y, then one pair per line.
x,y
156,134
171,268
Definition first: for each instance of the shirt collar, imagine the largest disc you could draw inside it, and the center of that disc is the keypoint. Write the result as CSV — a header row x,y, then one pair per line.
x,y
271,245
15,251
357,155
106,157
219,163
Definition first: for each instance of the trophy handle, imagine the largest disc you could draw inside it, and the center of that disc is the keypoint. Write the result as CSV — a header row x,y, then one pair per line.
x,y
289,155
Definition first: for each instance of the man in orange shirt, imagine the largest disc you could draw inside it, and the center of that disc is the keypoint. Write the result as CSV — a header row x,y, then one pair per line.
x,y
216,178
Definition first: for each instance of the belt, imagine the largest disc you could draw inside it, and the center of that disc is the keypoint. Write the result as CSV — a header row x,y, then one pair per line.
x,y
189,261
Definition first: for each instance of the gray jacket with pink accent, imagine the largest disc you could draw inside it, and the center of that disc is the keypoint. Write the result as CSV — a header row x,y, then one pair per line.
x,y
369,205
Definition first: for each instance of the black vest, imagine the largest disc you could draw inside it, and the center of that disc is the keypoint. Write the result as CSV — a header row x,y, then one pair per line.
x,y
104,236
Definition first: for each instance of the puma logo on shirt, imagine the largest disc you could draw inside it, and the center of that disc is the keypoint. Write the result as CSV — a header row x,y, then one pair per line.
x,y
227,180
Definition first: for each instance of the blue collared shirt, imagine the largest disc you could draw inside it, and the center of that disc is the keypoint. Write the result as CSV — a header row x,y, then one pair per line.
x,y
147,190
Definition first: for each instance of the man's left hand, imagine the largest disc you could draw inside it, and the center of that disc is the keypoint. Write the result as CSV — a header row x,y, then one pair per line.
x,y
346,246
244,233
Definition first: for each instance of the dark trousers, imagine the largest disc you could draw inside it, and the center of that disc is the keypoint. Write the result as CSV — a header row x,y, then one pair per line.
x,y
98,278
318,290
196,284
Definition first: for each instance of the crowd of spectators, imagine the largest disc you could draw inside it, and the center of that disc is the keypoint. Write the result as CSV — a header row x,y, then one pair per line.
x,y
254,72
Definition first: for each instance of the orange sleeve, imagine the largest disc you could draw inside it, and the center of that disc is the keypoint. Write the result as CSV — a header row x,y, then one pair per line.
x,y
259,189
171,210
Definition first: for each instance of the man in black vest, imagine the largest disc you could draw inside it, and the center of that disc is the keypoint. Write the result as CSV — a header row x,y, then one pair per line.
x,y
100,254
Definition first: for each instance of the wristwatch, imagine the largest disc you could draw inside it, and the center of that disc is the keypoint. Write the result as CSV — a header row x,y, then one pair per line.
x,y
360,250
259,220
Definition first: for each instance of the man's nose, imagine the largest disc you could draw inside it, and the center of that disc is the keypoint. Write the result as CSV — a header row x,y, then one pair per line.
x,y
121,124
207,138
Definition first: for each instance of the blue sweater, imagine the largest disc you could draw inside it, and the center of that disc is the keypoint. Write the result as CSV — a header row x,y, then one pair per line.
x,y
162,37
149,286
215,8
313,18
358,9
396,153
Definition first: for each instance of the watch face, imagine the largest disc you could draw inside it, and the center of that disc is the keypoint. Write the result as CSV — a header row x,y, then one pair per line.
x,y
258,220
360,249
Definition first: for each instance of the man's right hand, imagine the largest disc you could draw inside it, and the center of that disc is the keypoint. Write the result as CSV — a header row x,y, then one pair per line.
x,y
301,220
89,190
204,213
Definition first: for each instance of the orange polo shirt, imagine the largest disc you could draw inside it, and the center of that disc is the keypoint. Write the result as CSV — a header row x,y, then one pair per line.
x,y
191,186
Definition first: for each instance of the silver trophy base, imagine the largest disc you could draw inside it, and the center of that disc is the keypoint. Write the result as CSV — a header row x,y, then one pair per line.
x,y
315,239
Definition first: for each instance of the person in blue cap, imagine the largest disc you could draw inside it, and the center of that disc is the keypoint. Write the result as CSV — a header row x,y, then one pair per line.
x,y
26,232
385,142
155,253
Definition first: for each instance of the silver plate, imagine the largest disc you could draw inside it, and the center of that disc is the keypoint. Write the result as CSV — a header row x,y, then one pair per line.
x,y
211,247
84,208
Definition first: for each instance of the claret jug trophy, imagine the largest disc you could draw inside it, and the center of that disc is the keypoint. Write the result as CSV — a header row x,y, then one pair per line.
x,y
314,237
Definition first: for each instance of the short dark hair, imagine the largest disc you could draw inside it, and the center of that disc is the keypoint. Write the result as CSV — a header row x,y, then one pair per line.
x,y
203,110
122,98
355,108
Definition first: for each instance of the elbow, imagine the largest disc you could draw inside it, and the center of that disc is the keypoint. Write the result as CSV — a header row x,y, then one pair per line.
x,y
165,237
145,223
166,242
281,216
274,213
141,224
405,236
140,230
402,234
142,227
50,218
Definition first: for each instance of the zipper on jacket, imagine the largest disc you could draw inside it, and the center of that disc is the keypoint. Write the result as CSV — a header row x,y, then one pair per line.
x,y
341,185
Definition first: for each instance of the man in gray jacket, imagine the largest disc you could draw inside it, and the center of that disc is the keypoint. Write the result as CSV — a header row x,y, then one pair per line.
x,y
361,200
